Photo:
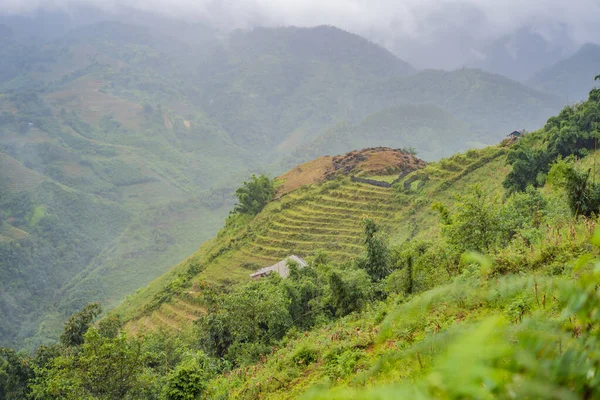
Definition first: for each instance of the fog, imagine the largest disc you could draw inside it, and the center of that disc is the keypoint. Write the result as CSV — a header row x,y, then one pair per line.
x,y
427,33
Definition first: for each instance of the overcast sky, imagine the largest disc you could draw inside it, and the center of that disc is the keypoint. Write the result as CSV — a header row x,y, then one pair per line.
x,y
408,16
394,23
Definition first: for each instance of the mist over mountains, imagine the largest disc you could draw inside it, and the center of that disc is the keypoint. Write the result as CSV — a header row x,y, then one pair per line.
x,y
509,38
142,124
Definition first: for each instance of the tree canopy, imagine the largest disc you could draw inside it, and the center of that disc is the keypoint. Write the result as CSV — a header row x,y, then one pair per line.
x,y
254,194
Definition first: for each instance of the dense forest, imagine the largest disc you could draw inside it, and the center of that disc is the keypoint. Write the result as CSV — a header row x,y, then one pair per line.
x,y
472,277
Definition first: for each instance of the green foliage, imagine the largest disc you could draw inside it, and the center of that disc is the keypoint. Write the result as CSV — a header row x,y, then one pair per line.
x,y
79,324
104,368
16,371
377,259
348,290
475,223
244,323
189,380
305,355
481,223
574,131
522,214
583,195
254,195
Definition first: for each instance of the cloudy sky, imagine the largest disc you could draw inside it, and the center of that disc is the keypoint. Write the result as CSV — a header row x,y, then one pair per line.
x,y
409,16
454,26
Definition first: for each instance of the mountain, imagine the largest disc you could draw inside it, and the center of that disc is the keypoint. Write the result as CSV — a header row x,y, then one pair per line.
x,y
572,78
160,128
473,276
272,83
317,201
113,114
428,128
490,104
521,54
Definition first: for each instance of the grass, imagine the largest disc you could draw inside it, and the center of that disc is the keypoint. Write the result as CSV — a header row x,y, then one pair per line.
x,y
327,216
365,350
384,178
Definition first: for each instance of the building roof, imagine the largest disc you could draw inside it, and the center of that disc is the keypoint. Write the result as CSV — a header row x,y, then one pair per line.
x,y
515,133
281,267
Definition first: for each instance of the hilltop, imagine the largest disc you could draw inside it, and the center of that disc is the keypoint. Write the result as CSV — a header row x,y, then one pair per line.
x,y
369,162
434,301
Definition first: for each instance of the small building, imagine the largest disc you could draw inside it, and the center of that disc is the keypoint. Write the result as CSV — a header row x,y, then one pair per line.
x,y
281,268
515,134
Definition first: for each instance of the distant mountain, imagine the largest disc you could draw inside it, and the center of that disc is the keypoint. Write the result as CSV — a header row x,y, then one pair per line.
x,y
521,54
490,104
267,83
425,127
572,78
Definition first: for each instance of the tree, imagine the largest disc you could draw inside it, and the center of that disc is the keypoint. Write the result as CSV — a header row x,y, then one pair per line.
x,y
348,290
104,368
527,166
376,262
254,195
78,324
188,381
16,371
474,225
247,321
583,195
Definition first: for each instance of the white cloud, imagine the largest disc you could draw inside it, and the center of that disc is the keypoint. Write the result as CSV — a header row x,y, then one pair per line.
x,y
455,28
408,16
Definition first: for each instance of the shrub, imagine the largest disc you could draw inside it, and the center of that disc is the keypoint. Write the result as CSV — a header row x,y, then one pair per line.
x,y
254,195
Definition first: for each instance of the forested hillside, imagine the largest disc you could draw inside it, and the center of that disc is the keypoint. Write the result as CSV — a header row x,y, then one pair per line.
x,y
472,277
569,78
157,126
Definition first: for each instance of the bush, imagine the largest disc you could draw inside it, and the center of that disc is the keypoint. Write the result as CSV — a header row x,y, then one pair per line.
x,y
583,196
347,291
475,223
254,195
188,381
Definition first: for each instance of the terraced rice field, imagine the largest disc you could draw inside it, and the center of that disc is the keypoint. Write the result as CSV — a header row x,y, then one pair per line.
x,y
9,233
175,315
19,177
330,222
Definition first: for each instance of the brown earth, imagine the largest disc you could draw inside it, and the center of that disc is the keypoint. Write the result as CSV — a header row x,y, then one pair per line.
x,y
375,161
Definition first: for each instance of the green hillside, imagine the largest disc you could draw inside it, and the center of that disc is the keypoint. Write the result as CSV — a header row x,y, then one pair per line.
x,y
310,219
427,128
161,129
491,104
472,277
570,79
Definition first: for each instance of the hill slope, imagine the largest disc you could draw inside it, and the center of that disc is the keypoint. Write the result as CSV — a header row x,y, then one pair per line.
x,y
316,214
162,128
571,78
472,277
489,103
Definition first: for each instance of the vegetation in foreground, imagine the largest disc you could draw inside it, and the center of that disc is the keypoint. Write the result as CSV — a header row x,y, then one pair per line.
x,y
502,302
